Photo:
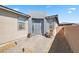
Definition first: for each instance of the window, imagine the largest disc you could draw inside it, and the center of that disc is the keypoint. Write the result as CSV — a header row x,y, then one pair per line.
x,y
21,23
51,24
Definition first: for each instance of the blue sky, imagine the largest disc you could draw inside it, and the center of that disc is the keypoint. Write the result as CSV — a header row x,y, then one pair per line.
x,y
67,13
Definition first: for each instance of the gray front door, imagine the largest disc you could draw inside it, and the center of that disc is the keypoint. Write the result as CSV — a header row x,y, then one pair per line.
x,y
37,26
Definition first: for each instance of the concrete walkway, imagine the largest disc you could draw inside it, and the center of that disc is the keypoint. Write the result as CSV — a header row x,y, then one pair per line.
x,y
34,44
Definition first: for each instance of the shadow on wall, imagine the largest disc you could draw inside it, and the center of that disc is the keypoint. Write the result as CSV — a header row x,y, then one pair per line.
x,y
60,44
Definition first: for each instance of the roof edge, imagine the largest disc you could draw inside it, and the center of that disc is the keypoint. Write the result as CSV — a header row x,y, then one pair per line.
x,y
54,16
14,11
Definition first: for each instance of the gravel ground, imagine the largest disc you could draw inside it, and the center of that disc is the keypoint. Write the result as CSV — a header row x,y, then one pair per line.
x,y
34,44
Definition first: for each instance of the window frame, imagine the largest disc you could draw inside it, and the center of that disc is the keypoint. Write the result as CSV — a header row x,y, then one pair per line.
x,y
21,21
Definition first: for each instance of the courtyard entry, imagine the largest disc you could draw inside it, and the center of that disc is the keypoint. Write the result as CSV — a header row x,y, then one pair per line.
x,y
37,26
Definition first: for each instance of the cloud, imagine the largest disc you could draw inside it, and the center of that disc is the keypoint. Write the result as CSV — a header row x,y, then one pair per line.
x,y
16,9
71,10
48,6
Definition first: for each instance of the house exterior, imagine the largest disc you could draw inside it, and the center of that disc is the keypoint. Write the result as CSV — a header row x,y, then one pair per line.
x,y
40,23
17,25
13,24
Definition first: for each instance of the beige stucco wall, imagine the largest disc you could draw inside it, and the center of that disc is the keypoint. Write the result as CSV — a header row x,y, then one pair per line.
x,y
9,29
55,28
72,36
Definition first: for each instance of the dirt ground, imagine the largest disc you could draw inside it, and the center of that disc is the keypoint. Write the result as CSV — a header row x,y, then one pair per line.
x,y
34,44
